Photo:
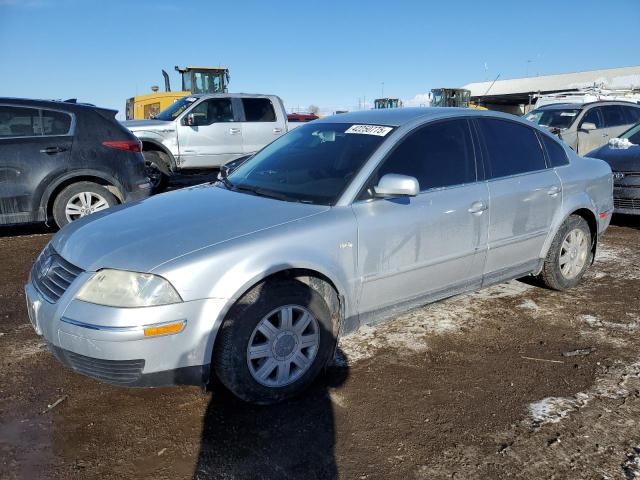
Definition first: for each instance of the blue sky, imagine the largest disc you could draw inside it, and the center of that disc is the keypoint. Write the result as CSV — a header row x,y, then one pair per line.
x,y
330,53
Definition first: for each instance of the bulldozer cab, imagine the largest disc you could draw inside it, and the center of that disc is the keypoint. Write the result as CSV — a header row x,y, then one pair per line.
x,y
450,97
204,79
379,103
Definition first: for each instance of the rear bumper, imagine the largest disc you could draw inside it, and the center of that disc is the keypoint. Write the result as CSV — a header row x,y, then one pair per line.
x,y
141,192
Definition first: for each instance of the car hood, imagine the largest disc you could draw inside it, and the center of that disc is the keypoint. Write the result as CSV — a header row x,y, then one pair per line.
x,y
619,159
134,125
146,234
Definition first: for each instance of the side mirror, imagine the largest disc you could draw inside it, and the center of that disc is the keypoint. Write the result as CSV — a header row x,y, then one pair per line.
x,y
587,126
190,120
395,185
229,167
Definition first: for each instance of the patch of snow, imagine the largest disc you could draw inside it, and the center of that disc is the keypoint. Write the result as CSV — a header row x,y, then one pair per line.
x,y
529,304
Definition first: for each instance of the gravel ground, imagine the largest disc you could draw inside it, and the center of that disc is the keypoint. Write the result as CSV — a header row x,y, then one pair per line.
x,y
509,382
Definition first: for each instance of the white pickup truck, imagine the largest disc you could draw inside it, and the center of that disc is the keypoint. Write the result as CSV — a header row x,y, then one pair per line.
x,y
206,131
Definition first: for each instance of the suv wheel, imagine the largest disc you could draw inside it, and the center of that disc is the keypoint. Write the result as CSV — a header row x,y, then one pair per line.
x,y
81,199
275,341
569,255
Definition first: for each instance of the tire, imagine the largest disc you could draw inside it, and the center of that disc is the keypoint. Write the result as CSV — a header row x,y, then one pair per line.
x,y
159,179
559,276
242,329
82,198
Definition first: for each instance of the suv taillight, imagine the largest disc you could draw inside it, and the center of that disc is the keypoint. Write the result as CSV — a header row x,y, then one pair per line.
x,y
127,145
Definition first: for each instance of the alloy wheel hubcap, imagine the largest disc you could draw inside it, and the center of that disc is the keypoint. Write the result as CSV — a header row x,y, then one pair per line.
x,y
84,203
573,253
283,346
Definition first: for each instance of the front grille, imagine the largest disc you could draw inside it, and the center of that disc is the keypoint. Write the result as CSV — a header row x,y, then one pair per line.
x,y
628,203
51,274
117,372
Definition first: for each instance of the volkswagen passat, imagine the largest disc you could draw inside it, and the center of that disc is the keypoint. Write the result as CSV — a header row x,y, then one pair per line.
x,y
340,223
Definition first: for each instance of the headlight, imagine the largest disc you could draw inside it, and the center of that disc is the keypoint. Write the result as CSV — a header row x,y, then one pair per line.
x,y
119,288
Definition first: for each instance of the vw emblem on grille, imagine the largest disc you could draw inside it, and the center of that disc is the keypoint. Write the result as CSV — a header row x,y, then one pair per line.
x,y
618,175
45,267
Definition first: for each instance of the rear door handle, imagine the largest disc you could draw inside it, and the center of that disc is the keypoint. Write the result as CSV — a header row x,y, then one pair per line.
x,y
52,150
477,208
277,131
554,191
234,131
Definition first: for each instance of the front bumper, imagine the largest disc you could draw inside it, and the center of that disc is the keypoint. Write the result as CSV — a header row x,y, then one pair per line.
x,y
626,200
108,343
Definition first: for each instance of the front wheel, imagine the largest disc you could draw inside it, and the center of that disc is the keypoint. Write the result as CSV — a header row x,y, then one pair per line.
x,y
81,199
569,255
152,166
275,341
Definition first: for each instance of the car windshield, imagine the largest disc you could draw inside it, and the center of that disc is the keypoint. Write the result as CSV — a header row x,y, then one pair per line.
x,y
313,163
553,118
176,108
633,134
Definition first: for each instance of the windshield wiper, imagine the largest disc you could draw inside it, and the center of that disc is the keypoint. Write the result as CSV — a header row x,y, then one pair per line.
x,y
263,192
226,182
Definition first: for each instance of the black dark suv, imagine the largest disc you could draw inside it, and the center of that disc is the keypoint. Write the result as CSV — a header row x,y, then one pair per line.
x,y
65,160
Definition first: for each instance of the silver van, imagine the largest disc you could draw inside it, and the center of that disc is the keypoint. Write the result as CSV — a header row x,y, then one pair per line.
x,y
585,127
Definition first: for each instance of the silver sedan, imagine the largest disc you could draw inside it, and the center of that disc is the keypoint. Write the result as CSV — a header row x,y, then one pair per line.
x,y
344,221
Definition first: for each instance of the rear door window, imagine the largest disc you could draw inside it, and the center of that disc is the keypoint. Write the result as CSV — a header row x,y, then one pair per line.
x,y
512,148
613,116
19,122
632,114
555,152
438,155
55,123
258,110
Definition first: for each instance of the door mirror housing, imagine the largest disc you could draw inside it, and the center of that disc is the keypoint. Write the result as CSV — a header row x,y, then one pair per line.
x,y
190,120
395,185
587,126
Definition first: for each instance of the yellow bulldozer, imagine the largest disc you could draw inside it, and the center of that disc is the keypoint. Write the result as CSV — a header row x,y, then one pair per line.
x,y
194,80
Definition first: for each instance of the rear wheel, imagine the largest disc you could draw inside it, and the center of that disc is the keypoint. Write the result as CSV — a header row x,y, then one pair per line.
x,y
79,200
569,255
275,341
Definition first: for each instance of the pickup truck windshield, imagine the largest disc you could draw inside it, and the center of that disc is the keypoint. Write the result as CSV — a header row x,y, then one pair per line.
x,y
313,163
555,118
176,108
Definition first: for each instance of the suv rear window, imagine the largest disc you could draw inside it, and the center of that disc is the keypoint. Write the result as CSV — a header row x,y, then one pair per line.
x,y
613,116
512,148
258,110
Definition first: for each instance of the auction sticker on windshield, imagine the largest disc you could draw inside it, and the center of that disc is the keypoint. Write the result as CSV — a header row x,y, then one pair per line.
x,y
378,130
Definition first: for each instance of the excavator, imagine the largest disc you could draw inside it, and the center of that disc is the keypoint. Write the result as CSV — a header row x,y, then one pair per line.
x,y
452,97
194,80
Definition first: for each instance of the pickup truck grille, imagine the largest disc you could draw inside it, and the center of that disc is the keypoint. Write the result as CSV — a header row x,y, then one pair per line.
x,y
629,203
51,274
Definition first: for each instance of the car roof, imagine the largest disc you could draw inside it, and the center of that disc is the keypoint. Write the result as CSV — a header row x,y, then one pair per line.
x,y
580,106
397,117
53,104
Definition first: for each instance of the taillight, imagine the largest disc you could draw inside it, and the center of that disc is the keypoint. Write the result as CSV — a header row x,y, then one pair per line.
x,y
127,145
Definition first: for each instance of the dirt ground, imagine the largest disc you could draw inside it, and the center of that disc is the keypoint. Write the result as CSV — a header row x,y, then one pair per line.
x,y
510,382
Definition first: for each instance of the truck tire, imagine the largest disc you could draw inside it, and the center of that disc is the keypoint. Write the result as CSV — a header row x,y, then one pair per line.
x,y
569,256
156,168
275,341
81,199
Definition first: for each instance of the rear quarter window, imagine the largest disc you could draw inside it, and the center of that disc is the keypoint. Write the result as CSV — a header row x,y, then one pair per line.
x,y
512,148
555,152
55,123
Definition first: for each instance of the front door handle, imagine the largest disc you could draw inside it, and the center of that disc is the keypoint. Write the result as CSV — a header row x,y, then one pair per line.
x,y
554,191
234,131
477,208
53,150
277,131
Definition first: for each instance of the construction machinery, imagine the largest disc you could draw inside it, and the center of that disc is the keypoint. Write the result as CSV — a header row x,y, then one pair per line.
x,y
193,80
452,97
379,103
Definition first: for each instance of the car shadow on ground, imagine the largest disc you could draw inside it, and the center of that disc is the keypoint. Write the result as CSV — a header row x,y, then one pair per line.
x,y
26,229
293,439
